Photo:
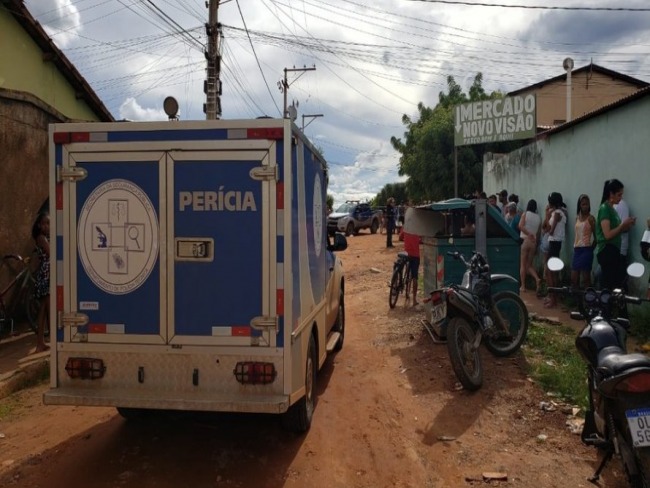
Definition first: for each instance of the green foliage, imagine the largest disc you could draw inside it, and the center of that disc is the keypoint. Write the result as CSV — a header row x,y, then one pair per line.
x,y
555,363
427,147
329,200
396,190
640,319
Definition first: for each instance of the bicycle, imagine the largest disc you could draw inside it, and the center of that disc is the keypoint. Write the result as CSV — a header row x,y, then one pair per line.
x,y
17,300
401,279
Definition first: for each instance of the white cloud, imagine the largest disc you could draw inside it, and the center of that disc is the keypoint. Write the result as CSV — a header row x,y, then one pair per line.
x,y
62,21
131,110
374,62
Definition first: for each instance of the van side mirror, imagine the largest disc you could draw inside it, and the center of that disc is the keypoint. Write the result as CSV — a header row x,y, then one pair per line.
x,y
340,243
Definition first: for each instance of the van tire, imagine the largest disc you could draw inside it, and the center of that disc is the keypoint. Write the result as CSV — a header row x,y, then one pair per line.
x,y
132,414
374,227
298,417
339,326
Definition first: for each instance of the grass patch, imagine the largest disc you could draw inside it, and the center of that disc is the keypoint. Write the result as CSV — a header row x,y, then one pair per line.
x,y
640,319
555,363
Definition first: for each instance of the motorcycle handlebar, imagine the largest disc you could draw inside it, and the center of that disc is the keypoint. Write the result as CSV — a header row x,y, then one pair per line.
x,y
619,295
478,258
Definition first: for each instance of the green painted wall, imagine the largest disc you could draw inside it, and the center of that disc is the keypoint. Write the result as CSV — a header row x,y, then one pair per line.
x,y
22,68
578,160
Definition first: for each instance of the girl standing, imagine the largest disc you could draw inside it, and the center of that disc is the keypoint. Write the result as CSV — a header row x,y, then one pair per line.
x,y
41,235
556,224
529,231
583,249
608,235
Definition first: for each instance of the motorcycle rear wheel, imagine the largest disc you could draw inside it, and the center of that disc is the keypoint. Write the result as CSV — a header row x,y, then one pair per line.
x,y
515,314
465,361
642,480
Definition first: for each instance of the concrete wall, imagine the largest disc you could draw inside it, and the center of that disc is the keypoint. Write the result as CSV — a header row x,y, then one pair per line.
x,y
615,144
24,124
22,68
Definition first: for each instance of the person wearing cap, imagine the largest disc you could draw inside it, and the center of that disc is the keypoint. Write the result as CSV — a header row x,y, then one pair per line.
x,y
609,229
556,218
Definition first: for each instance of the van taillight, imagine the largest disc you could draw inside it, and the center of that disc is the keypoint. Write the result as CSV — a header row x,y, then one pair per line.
x,y
85,368
254,373
637,383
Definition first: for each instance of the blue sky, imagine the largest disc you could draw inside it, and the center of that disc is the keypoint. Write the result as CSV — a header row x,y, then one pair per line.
x,y
375,60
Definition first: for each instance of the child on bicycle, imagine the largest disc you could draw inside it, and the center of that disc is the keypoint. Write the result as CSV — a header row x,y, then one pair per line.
x,y
41,236
412,248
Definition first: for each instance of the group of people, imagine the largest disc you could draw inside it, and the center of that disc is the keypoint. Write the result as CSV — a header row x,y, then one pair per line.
x,y
604,236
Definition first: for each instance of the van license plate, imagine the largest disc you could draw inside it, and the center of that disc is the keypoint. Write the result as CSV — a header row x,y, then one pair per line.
x,y
438,312
639,422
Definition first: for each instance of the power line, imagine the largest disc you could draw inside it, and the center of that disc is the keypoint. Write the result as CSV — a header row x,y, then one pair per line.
x,y
536,7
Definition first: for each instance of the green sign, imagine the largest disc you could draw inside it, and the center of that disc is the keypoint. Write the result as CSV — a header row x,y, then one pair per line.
x,y
501,119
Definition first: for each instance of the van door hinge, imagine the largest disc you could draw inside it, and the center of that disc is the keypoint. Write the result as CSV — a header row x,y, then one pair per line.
x,y
264,173
263,323
72,173
73,319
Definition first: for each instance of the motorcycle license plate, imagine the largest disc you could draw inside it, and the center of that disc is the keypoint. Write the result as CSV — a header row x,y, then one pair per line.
x,y
639,423
438,312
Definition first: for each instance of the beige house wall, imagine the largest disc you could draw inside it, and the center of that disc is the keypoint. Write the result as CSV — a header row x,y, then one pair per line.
x,y
23,68
589,91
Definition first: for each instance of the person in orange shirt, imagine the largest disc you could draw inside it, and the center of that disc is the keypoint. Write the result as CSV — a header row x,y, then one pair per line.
x,y
412,248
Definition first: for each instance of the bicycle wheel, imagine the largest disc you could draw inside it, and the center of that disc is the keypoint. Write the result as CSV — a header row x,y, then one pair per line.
x,y
515,316
395,286
408,282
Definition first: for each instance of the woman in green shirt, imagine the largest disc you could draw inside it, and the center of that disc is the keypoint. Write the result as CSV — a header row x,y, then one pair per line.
x,y
608,236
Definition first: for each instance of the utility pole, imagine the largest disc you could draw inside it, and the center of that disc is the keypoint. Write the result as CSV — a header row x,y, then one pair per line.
x,y
212,85
284,84
312,117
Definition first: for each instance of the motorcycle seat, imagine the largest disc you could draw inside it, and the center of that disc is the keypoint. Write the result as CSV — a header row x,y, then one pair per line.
x,y
613,360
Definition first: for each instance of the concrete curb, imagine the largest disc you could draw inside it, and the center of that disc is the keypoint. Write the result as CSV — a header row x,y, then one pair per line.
x,y
29,372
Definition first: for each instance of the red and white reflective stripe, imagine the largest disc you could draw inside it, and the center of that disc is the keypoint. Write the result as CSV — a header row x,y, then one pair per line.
x,y
71,137
106,328
59,233
440,268
274,133
232,331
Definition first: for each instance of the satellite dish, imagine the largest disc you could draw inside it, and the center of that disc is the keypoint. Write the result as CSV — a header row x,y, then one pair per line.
x,y
567,64
170,105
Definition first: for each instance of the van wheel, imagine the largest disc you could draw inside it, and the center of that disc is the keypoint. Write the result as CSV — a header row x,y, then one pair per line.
x,y
339,326
298,417
374,227
132,414
349,230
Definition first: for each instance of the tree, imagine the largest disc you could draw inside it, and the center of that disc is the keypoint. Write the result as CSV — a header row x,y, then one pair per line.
x,y
329,200
427,150
395,190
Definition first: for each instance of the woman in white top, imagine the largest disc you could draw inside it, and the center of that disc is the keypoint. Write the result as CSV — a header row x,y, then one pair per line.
x,y
556,218
529,231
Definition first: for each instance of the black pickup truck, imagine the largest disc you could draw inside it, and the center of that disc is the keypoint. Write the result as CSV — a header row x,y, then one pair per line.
x,y
352,216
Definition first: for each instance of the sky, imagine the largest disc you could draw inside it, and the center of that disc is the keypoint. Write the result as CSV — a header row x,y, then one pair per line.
x,y
374,60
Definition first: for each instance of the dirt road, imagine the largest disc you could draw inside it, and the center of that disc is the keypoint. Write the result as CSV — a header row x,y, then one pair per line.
x,y
388,414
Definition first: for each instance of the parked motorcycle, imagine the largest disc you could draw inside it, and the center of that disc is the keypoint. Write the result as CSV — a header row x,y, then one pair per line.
x,y
618,419
474,314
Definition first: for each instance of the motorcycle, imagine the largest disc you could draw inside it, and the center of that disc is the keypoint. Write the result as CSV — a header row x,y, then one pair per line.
x,y
473,314
618,418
